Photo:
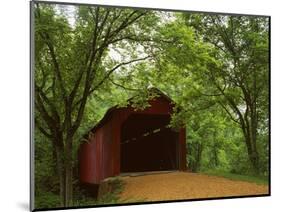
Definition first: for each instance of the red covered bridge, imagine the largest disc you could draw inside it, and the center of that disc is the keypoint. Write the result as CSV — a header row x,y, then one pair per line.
x,y
129,140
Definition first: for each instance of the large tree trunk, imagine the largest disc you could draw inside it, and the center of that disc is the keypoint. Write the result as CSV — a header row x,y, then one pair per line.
x,y
249,124
63,155
253,155
250,140
59,161
68,172
60,172
251,130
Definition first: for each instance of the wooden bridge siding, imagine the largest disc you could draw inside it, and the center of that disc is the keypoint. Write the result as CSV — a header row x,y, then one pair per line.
x,y
182,149
100,158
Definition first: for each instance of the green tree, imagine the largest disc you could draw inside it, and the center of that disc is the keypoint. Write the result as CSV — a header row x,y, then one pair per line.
x,y
218,60
241,81
74,61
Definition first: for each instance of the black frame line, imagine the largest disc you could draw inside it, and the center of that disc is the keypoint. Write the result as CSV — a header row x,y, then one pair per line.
x,y
269,105
31,109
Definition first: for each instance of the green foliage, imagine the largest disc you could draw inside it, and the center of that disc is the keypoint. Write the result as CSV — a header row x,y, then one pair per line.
x,y
46,181
263,147
261,180
47,200
74,63
82,199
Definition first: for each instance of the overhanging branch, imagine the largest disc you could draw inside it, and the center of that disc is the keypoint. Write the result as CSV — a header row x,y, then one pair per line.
x,y
108,75
42,130
122,86
229,113
115,68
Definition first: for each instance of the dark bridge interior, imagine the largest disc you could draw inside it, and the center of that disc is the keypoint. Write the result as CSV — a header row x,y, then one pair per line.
x,y
147,144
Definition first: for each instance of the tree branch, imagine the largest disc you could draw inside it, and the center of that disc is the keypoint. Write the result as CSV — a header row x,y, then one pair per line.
x,y
207,94
122,86
108,74
114,68
42,130
40,106
45,36
127,22
228,112
48,101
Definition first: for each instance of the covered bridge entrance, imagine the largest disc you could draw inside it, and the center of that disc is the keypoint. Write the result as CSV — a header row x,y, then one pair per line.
x,y
129,140
147,144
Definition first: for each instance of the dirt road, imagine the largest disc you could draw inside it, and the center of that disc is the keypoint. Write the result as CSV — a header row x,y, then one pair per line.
x,y
184,185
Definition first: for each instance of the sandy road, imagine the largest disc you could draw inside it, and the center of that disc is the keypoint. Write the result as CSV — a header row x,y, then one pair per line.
x,y
184,185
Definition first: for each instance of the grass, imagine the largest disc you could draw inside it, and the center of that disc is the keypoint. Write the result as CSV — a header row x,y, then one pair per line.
x,y
261,180
113,197
82,198
109,198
